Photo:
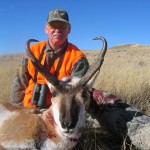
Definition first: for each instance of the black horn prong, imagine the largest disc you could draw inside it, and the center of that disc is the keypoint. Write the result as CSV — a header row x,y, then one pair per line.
x,y
95,66
104,48
42,69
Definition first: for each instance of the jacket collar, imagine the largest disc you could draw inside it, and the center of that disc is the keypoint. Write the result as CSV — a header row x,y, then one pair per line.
x,y
48,48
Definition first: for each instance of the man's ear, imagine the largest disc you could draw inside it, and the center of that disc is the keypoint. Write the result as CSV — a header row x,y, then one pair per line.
x,y
46,28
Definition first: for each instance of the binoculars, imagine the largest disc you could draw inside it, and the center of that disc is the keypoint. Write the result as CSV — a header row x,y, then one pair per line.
x,y
39,95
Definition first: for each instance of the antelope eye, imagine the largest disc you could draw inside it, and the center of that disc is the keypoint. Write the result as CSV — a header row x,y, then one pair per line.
x,y
73,98
53,94
84,94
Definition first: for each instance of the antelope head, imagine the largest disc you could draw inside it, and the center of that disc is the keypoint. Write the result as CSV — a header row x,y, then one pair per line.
x,y
70,98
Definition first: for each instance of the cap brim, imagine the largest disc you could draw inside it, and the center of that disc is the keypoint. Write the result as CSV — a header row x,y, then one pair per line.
x,y
62,20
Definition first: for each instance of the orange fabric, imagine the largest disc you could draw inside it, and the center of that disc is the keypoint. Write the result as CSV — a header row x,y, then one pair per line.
x,y
71,56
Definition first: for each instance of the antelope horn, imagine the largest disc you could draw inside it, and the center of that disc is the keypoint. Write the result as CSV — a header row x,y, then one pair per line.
x,y
42,69
95,66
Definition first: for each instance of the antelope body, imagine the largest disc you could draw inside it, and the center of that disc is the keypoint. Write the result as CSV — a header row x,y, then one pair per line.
x,y
55,129
60,126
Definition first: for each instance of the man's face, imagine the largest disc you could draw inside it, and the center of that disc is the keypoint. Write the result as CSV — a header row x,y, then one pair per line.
x,y
57,32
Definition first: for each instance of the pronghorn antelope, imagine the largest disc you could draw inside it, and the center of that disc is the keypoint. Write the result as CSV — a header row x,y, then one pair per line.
x,y
60,126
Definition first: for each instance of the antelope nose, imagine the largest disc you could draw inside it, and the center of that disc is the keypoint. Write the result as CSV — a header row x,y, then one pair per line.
x,y
67,125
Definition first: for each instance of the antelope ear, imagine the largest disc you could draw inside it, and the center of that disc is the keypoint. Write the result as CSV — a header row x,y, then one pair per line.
x,y
74,80
92,81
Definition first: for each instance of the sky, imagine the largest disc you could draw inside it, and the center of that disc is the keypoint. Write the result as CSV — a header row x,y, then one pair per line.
x,y
119,21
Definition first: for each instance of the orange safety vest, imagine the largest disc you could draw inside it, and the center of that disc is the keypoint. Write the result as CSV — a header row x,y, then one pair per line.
x,y
71,56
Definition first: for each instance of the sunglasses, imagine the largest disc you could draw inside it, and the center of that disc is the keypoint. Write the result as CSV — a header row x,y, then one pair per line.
x,y
58,25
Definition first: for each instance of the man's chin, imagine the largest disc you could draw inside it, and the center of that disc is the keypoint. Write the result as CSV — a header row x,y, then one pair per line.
x,y
58,41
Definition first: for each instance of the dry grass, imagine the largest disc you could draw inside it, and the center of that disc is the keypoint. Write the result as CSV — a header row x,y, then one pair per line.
x,y
125,73
8,67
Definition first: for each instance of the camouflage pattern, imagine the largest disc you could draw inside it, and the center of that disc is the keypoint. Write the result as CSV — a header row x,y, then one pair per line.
x,y
80,68
58,15
20,83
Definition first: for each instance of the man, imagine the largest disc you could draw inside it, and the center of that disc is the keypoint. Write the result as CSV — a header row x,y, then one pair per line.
x,y
65,59
56,50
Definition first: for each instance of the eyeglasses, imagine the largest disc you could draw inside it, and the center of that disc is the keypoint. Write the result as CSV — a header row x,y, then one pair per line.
x,y
58,25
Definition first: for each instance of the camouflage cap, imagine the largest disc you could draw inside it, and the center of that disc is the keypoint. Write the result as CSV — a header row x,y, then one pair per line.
x,y
58,15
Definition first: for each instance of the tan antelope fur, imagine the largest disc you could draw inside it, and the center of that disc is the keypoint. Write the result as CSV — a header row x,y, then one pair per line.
x,y
60,126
